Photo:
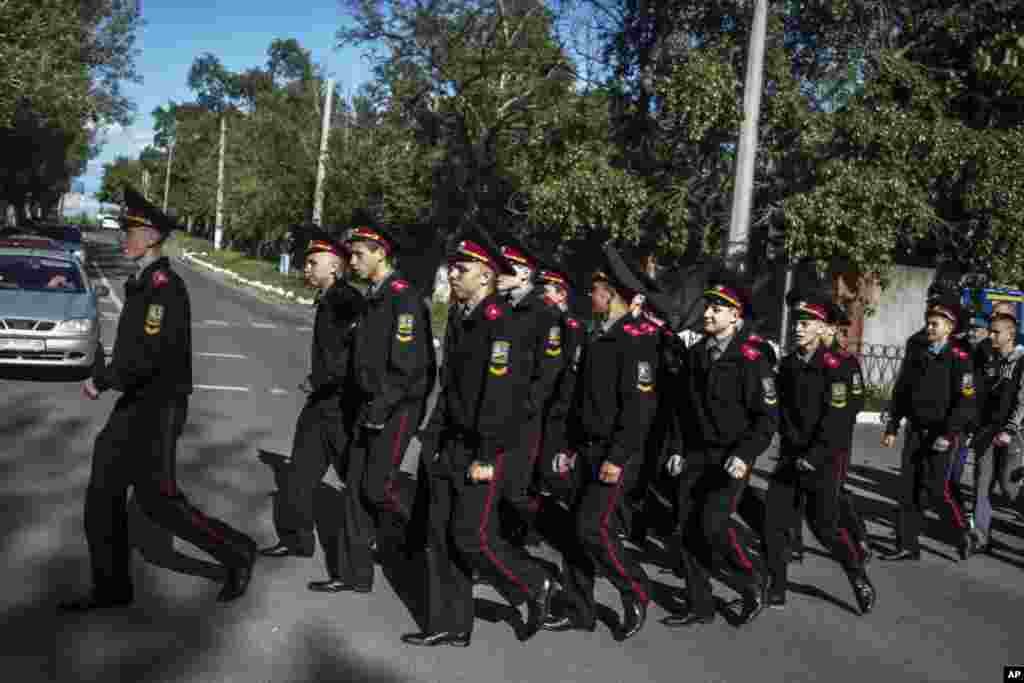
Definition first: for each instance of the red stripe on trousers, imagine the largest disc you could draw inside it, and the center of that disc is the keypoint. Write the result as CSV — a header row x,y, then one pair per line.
x,y
740,555
485,545
396,461
947,495
844,535
854,550
200,521
607,541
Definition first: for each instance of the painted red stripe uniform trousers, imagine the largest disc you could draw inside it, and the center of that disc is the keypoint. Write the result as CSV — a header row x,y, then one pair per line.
x,y
923,482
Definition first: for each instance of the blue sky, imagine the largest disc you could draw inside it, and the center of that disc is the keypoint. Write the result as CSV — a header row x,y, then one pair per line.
x,y
239,33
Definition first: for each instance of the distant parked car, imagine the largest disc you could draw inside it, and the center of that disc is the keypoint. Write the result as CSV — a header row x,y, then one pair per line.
x,y
48,309
110,222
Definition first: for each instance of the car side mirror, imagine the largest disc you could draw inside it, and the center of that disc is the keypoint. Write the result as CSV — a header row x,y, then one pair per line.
x,y
102,291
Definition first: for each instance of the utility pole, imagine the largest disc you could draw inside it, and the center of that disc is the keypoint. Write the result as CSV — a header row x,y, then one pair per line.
x,y
218,228
145,183
321,168
167,178
739,226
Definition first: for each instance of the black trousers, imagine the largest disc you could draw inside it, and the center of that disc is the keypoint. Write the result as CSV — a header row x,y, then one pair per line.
x,y
924,482
322,439
137,448
463,536
598,545
820,493
711,541
519,504
378,505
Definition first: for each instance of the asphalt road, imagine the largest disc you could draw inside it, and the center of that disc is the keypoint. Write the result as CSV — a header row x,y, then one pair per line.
x,y
938,620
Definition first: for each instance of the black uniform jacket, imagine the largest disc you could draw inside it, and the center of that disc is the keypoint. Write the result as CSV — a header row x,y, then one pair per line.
x,y
542,328
337,312
484,381
616,397
934,392
394,359
814,401
730,408
556,412
999,390
153,349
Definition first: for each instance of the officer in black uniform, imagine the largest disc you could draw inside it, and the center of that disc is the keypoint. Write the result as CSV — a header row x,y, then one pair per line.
x,y
484,390
728,411
935,392
152,368
542,327
615,402
323,429
814,387
394,366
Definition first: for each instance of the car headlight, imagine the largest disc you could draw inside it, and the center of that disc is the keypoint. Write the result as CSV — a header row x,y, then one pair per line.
x,y
80,255
76,326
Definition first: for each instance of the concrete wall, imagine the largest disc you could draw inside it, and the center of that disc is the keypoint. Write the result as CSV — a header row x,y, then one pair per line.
x,y
899,310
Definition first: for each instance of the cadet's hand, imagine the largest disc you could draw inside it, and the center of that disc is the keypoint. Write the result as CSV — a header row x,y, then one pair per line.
x,y
674,466
373,427
941,445
89,390
736,468
609,473
563,463
803,465
1002,439
478,472
888,440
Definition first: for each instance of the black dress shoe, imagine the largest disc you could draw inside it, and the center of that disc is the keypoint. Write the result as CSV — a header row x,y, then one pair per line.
x,y
569,623
688,619
868,553
754,600
91,603
539,608
901,555
236,583
337,586
285,550
634,615
863,591
776,594
435,638
968,546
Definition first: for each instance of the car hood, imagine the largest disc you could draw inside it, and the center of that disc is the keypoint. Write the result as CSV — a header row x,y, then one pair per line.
x,y
54,306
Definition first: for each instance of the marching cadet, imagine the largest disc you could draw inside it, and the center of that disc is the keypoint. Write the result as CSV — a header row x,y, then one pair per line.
x,y
465,449
541,326
814,388
152,368
615,401
935,393
394,365
323,429
728,412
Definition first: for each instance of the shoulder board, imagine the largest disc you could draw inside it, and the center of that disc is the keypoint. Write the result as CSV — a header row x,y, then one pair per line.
x,y
648,328
160,278
399,285
831,360
633,330
756,338
493,312
573,323
751,352
960,353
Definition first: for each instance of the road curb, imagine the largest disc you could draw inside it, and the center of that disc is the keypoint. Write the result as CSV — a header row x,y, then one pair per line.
x,y
190,257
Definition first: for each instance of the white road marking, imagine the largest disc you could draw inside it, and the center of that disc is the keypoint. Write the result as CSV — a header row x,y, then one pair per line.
x,y
305,328
107,315
264,326
217,387
113,295
278,391
218,323
207,354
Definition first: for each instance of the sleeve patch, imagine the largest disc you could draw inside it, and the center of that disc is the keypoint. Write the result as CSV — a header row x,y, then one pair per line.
x,y
500,352
831,361
960,353
160,279
154,319
406,325
492,312
771,395
838,392
553,347
399,286
967,385
644,377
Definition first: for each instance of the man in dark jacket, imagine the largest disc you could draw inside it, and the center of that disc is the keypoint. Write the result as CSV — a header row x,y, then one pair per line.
x,y
485,386
728,409
935,393
394,365
815,393
323,429
137,448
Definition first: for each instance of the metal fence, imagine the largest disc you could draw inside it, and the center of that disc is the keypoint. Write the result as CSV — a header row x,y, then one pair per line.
x,y
881,364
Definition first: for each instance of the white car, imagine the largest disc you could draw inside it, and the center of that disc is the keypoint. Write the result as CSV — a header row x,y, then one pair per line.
x,y
110,222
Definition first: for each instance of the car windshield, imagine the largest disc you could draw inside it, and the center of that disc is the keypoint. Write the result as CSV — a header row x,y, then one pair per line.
x,y
39,273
